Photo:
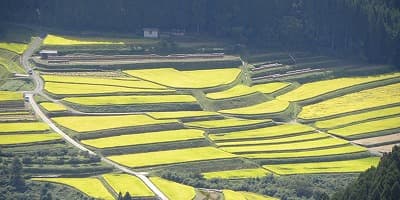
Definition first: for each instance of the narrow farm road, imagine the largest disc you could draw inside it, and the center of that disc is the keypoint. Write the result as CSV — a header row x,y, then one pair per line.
x,y
38,90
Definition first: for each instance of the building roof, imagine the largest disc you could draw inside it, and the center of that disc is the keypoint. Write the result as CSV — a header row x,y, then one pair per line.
x,y
150,29
49,51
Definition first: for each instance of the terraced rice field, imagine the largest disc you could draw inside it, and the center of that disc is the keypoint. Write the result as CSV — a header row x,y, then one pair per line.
x,y
67,41
18,48
127,183
267,132
27,138
385,148
236,91
366,99
223,123
237,174
10,96
314,89
129,100
367,127
170,157
90,186
269,107
18,127
233,195
347,166
253,196
349,149
53,107
376,141
269,88
174,190
95,123
195,79
341,121
145,138
180,114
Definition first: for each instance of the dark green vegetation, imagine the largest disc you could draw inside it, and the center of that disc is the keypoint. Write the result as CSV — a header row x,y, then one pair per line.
x,y
382,182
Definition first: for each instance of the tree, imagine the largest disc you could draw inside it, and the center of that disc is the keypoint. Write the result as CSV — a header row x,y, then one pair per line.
x,y
127,196
120,196
16,178
395,191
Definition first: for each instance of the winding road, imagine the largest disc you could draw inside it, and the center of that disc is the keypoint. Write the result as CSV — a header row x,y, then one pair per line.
x,y
35,44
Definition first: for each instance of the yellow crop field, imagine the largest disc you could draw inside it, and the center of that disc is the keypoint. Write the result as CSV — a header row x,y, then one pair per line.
x,y
23,127
27,138
268,88
134,99
53,107
145,138
222,123
61,40
126,82
237,174
309,153
346,166
340,121
96,123
367,127
170,157
295,146
174,190
232,195
18,48
314,89
84,89
311,136
236,91
127,183
269,107
254,196
180,114
187,79
365,99
10,96
90,186
273,131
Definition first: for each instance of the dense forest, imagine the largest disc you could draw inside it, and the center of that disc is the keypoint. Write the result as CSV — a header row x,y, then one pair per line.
x,y
366,28
382,182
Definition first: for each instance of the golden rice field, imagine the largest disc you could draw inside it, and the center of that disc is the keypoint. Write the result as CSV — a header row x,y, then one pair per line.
x,y
309,153
145,138
170,157
180,114
269,107
18,48
233,195
269,88
288,139
10,96
223,123
340,121
84,89
90,186
120,82
23,127
61,40
294,146
129,100
53,107
267,132
314,89
346,166
364,99
127,183
195,79
254,196
367,127
27,138
237,174
95,123
174,190
236,91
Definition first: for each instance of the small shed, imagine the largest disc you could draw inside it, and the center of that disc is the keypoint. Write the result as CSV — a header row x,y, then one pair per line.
x,y
150,32
44,54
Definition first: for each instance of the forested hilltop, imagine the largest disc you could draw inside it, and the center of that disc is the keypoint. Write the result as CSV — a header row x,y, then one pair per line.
x,y
366,28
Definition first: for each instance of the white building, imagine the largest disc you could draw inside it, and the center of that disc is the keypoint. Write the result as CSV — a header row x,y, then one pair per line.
x,y
150,32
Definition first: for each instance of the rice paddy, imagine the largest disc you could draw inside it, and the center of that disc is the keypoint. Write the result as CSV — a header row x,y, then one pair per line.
x,y
67,41
170,157
347,166
53,107
237,174
269,107
18,48
180,114
95,123
129,100
16,127
233,195
145,138
10,96
27,138
366,99
174,190
254,196
236,91
269,88
230,122
127,183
